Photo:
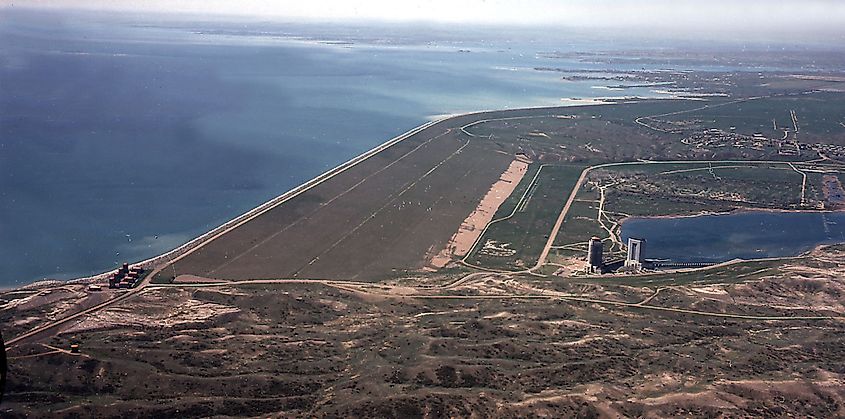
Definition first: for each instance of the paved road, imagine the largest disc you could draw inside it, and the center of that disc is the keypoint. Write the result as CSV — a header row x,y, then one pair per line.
x,y
43,330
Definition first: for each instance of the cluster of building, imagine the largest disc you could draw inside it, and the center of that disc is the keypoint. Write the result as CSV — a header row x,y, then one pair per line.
x,y
831,150
126,277
716,138
595,257
494,248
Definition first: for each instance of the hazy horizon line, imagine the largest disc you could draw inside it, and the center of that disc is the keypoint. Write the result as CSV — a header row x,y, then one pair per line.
x,y
771,14
749,33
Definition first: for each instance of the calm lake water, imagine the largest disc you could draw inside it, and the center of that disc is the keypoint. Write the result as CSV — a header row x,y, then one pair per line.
x,y
745,235
121,138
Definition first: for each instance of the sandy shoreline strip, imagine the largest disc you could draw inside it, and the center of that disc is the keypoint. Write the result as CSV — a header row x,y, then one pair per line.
x,y
474,224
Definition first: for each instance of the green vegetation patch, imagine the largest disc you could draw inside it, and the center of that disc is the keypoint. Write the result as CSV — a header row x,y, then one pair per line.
x,y
516,242
817,114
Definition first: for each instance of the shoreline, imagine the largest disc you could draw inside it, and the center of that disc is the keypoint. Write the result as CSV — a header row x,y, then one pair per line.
x,y
178,251
733,211
737,211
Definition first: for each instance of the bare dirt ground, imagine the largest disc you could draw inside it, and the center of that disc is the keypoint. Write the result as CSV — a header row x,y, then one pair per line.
x,y
488,345
23,310
471,228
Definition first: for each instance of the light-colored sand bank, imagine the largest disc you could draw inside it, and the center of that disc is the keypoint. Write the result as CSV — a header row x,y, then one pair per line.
x,y
472,226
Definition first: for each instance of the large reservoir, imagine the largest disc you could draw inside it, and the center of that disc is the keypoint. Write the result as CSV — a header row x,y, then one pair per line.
x,y
744,235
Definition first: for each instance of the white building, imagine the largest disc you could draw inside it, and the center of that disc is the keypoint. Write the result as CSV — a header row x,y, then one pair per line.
x,y
635,253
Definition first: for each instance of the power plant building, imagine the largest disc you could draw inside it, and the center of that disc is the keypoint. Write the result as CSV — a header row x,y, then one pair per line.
x,y
595,257
635,254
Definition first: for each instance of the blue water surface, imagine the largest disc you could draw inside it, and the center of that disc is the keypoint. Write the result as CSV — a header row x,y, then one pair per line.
x,y
744,235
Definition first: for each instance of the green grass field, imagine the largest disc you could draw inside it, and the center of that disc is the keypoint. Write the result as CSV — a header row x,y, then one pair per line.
x,y
527,230
818,114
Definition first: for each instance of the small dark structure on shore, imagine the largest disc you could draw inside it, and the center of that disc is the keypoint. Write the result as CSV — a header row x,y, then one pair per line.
x,y
125,277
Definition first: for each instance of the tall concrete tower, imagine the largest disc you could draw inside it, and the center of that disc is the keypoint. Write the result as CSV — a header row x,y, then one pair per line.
x,y
595,249
635,253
